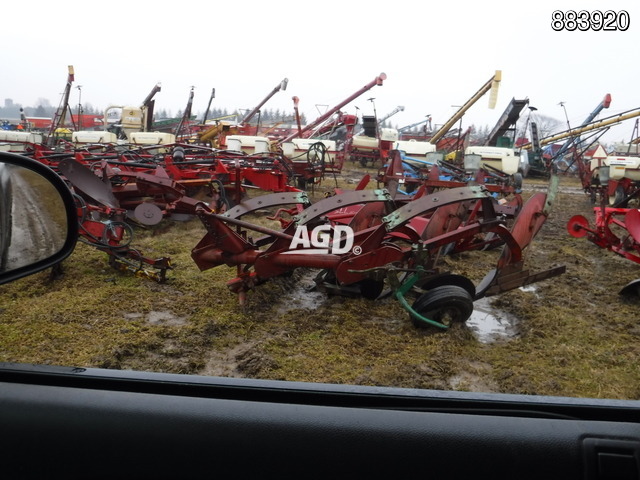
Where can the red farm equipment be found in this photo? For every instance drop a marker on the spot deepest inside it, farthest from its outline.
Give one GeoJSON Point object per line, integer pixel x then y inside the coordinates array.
{"type": "Point", "coordinates": [616, 227]}
{"type": "Point", "coordinates": [102, 223]}
{"type": "Point", "coordinates": [310, 155]}
{"type": "Point", "coordinates": [116, 188]}
{"type": "Point", "coordinates": [364, 240]}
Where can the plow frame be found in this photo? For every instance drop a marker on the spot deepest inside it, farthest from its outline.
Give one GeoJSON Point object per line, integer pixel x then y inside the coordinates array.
{"type": "Point", "coordinates": [378, 250]}
{"type": "Point", "coordinates": [602, 235]}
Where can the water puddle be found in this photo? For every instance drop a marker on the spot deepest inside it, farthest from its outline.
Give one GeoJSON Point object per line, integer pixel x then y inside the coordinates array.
{"type": "Point", "coordinates": [531, 289]}
{"type": "Point", "coordinates": [158, 318]}
{"type": "Point", "coordinates": [489, 324]}
{"type": "Point", "coordinates": [303, 294]}
{"type": "Point", "coordinates": [486, 323]}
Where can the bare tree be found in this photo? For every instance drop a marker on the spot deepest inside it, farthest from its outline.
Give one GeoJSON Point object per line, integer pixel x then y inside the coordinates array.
{"type": "Point", "coordinates": [44, 102]}
{"type": "Point", "coordinates": [546, 125]}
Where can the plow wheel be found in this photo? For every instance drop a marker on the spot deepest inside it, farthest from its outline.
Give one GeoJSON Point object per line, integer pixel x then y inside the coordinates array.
{"type": "Point", "coordinates": [516, 181]}
{"type": "Point", "coordinates": [447, 304]}
{"type": "Point", "coordinates": [578, 226]}
{"type": "Point", "coordinates": [316, 154]}
{"type": "Point", "coordinates": [617, 200]}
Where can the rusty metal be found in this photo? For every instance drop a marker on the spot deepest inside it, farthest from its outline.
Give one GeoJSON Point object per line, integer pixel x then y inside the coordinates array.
{"type": "Point", "coordinates": [102, 223]}
{"type": "Point", "coordinates": [431, 202]}
{"type": "Point", "coordinates": [105, 229]}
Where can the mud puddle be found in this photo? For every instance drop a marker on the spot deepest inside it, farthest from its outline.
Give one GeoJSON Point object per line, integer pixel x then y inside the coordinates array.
{"type": "Point", "coordinates": [303, 293]}
{"type": "Point", "coordinates": [486, 322]}
{"type": "Point", "coordinates": [162, 317]}
{"type": "Point", "coordinates": [489, 324]}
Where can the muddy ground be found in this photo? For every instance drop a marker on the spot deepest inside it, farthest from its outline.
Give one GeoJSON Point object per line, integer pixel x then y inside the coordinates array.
{"type": "Point", "coordinates": [572, 335]}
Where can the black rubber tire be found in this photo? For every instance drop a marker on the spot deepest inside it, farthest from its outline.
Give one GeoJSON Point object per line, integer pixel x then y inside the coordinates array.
{"type": "Point", "coordinates": [371, 289]}
{"type": "Point", "coordinates": [446, 304]}
{"type": "Point", "coordinates": [618, 199]}
{"type": "Point", "coordinates": [517, 181]}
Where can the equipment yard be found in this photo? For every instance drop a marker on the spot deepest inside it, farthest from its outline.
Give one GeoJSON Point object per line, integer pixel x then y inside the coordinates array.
{"type": "Point", "coordinates": [344, 251]}
{"type": "Point", "coordinates": [570, 335]}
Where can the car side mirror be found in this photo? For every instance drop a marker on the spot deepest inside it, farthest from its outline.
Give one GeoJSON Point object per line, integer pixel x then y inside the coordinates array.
{"type": "Point", "coordinates": [38, 217]}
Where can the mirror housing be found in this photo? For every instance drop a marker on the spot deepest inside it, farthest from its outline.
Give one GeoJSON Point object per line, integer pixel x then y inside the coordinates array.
{"type": "Point", "coordinates": [58, 206]}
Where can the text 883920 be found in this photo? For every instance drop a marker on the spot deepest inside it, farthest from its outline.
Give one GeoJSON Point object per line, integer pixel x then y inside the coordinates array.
{"type": "Point", "coordinates": [585, 20]}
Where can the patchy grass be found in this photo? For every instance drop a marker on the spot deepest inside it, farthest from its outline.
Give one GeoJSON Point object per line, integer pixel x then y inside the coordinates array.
{"type": "Point", "coordinates": [576, 336]}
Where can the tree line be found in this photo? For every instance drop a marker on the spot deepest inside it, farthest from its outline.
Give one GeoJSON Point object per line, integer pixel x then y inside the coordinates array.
{"type": "Point", "coordinates": [12, 111]}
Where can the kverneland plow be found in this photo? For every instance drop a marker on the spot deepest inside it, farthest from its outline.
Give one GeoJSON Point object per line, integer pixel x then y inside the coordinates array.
{"type": "Point", "coordinates": [362, 240]}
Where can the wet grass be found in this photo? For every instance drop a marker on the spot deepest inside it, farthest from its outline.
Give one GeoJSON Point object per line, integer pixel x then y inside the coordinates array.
{"type": "Point", "coordinates": [577, 337]}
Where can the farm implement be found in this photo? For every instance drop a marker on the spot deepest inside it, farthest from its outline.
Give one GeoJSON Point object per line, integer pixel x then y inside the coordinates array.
{"type": "Point", "coordinates": [113, 189]}
{"type": "Point", "coordinates": [614, 180]}
{"type": "Point", "coordinates": [616, 229]}
{"type": "Point", "coordinates": [365, 240]}
{"type": "Point", "coordinates": [102, 223]}
{"type": "Point", "coordinates": [405, 173]}
{"type": "Point", "coordinates": [147, 181]}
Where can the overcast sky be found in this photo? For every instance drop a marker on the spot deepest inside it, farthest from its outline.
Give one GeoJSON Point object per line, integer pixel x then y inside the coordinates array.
{"type": "Point", "coordinates": [436, 55]}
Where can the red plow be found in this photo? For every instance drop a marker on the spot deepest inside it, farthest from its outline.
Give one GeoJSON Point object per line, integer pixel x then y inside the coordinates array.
{"type": "Point", "coordinates": [615, 229]}
{"type": "Point", "coordinates": [367, 241]}
{"type": "Point", "coordinates": [115, 187]}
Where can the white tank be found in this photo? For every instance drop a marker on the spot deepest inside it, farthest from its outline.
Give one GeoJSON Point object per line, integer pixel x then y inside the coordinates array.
{"type": "Point", "coordinates": [234, 144]}
{"type": "Point", "coordinates": [503, 159]}
{"type": "Point", "coordinates": [18, 141]}
{"type": "Point", "coordinates": [151, 138]}
{"type": "Point", "coordinates": [302, 147]}
{"type": "Point", "coordinates": [288, 149]}
{"type": "Point", "coordinates": [363, 142]}
{"type": "Point", "coordinates": [389, 134]}
{"type": "Point", "coordinates": [261, 145]}
{"type": "Point", "coordinates": [620, 167]}
{"type": "Point", "coordinates": [414, 148]}
{"type": "Point", "coordinates": [247, 143]}
{"type": "Point", "coordinates": [93, 136]}
{"type": "Point", "coordinates": [15, 136]}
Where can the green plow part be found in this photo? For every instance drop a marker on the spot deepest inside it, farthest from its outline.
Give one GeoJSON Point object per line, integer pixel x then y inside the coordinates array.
{"type": "Point", "coordinates": [400, 289]}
